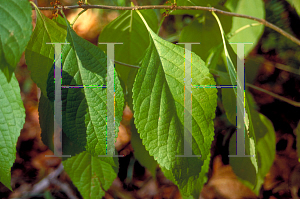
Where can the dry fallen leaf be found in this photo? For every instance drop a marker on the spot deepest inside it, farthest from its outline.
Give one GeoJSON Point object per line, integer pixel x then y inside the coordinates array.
{"type": "Point", "coordinates": [285, 160]}
{"type": "Point", "coordinates": [225, 184]}
{"type": "Point", "coordinates": [294, 182]}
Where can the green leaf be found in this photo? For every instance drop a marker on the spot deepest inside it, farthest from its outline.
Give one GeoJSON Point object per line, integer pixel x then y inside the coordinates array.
{"type": "Point", "coordinates": [61, 21]}
{"type": "Point", "coordinates": [252, 135]}
{"type": "Point", "coordinates": [296, 4]}
{"type": "Point", "coordinates": [253, 8]}
{"type": "Point", "coordinates": [206, 32]}
{"type": "Point", "coordinates": [214, 56]}
{"type": "Point", "coordinates": [140, 153]}
{"type": "Point", "coordinates": [242, 166]}
{"type": "Point", "coordinates": [91, 175]}
{"type": "Point", "coordinates": [259, 130]}
{"type": "Point", "coordinates": [232, 4]}
{"type": "Point", "coordinates": [228, 97]}
{"type": "Point", "coordinates": [192, 187]}
{"type": "Point", "coordinates": [12, 119]}
{"type": "Point", "coordinates": [230, 105]}
{"type": "Point", "coordinates": [231, 64]}
{"type": "Point", "coordinates": [158, 102]}
{"type": "Point", "coordinates": [228, 94]}
{"type": "Point", "coordinates": [15, 31]}
{"type": "Point", "coordinates": [234, 80]}
{"type": "Point", "coordinates": [255, 128]}
{"type": "Point", "coordinates": [46, 119]}
{"type": "Point", "coordinates": [85, 109]}
{"type": "Point", "coordinates": [265, 147]}
{"type": "Point", "coordinates": [128, 29]}
{"type": "Point", "coordinates": [39, 55]}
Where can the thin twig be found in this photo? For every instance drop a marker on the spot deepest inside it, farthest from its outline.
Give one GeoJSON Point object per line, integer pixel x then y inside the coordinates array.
{"type": "Point", "coordinates": [36, 3]}
{"type": "Point", "coordinates": [45, 183]}
{"type": "Point", "coordinates": [242, 28]}
{"type": "Point", "coordinates": [160, 24]}
{"type": "Point", "coordinates": [77, 16]}
{"type": "Point", "coordinates": [174, 7]}
{"type": "Point", "coordinates": [287, 68]}
{"type": "Point", "coordinates": [42, 185]}
{"type": "Point", "coordinates": [297, 104]}
{"type": "Point", "coordinates": [65, 187]}
{"type": "Point", "coordinates": [275, 64]}
{"type": "Point", "coordinates": [124, 64]}
{"type": "Point", "coordinates": [262, 21]}
{"type": "Point", "coordinates": [191, 2]}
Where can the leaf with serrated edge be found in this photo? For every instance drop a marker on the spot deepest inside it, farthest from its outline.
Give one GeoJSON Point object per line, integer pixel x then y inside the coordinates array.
{"type": "Point", "coordinates": [39, 55]}
{"type": "Point", "coordinates": [84, 109]}
{"type": "Point", "coordinates": [158, 102]}
{"type": "Point", "coordinates": [91, 175]}
{"type": "Point", "coordinates": [15, 31]}
{"type": "Point", "coordinates": [12, 119]}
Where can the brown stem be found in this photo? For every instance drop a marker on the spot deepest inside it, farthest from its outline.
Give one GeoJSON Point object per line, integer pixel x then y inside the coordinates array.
{"type": "Point", "coordinates": [297, 104]}
{"type": "Point", "coordinates": [210, 9]}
